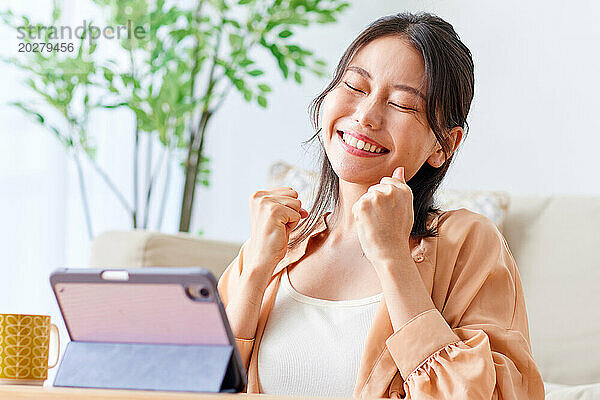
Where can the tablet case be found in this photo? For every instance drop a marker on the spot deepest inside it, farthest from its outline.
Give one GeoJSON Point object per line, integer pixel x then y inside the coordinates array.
{"type": "Point", "coordinates": [115, 344]}
{"type": "Point", "coordinates": [193, 368]}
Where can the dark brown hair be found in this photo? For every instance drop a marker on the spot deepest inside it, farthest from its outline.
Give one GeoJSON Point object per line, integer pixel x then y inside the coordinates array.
{"type": "Point", "coordinates": [450, 84]}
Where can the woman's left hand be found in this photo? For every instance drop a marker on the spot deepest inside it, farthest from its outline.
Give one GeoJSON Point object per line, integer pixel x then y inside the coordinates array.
{"type": "Point", "coordinates": [384, 218]}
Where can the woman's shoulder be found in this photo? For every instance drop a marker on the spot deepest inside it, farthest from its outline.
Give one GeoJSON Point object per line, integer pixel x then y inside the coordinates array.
{"type": "Point", "coordinates": [454, 224]}
{"type": "Point", "coordinates": [463, 231]}
{"type": "Point", "coordinates": [471, 241]}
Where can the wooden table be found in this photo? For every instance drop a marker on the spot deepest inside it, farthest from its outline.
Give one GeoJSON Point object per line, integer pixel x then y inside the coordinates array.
{"type": "Point", "coordinates": [16, 392]}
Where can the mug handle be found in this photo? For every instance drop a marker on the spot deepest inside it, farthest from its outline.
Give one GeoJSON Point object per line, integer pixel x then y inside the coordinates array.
{"type": "Point", "coordinates": [54, 329]}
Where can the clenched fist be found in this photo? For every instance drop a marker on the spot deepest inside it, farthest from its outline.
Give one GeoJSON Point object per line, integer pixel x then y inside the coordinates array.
{"type": "Point", "coordinates": [273, 215]}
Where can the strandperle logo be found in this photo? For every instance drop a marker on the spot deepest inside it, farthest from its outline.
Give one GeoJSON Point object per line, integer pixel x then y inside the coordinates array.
{"type": "Point", "coordinates": [87, 31]}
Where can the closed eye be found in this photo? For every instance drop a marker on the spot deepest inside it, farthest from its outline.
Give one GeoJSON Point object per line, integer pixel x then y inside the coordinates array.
{"type": "Point", "coordinates": [393, 104]}
{"type": "Point", "coordinates": [353, 88]}
{"type": "Point", "coordinates": [402, 107]}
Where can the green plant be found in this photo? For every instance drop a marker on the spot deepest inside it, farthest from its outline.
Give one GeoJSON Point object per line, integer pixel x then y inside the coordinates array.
{"type": "Point", "coordinates": [178, 76]}
{"type": "Point", "coordinates": [65, 86]}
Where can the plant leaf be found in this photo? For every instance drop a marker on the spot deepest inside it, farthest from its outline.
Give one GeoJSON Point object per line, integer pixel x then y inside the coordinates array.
{"type": "Point", "coordinates": [264, 87]}
{"type": "Point", "coordinates": [285, 33]}
{"type": "Point", "coordinates": [235, 40]}
{"type": "Point", "coordinates": [262, 101]}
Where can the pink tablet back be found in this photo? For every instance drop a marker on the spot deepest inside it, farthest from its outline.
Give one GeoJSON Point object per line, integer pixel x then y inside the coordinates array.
{"type": "Point", "coordinates": [139, 313]}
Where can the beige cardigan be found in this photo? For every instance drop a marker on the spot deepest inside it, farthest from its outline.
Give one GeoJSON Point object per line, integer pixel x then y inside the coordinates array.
{"type": "Point", "coordinates": [474, 345]}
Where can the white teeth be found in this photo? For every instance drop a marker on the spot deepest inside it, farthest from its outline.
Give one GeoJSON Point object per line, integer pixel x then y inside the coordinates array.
{"type": "Point", "coordinates": [359, 144]}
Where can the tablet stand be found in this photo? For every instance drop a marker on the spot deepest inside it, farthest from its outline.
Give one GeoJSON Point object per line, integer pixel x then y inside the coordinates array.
{"type": "Point", "coordinates": [170, 367]}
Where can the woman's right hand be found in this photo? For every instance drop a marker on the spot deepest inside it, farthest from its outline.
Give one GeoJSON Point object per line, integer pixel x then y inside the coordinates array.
{"type": "Point", "coordinates": [273, 215]}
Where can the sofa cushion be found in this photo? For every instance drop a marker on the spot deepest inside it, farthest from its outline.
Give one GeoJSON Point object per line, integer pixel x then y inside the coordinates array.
{"type": "Point", "coordinates": [555, 243]}
{"type": "Point", "coordinates": [576, 392]}
{"type": "Point", "coordinates": [152, 249]}
{"type": "Point", "coordinates": [492, 204]}
{"type": "Point", "coordinates": [301, 180]}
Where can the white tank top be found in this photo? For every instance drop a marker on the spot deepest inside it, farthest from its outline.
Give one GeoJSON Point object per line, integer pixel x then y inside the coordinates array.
{"type": "Point", "coordinates": [313, 347]}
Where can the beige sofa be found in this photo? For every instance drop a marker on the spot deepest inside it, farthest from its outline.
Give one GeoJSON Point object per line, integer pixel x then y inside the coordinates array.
{"type": "Point", "coordinates": [554, 240]}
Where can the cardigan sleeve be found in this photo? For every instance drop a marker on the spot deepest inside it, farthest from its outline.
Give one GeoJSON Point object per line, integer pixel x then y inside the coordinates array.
{"type": "Point", "coordinates": [475, 344]}
{"type": "Point", "coordinates": [227, 287]}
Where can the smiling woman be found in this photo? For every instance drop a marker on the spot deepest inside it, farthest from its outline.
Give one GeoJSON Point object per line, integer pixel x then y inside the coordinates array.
{"type": "Point", "coordinates": [433, 84]}
{"type": "Point", "coordinates": [384, 295]}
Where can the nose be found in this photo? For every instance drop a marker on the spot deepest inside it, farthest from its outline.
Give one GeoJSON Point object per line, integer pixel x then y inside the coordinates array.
{"type": "Point", "coordinates": [368, 113]}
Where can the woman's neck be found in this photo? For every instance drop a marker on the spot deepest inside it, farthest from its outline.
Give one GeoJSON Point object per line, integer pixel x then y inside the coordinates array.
{"type": "Point", "coordinates": [340, 222]}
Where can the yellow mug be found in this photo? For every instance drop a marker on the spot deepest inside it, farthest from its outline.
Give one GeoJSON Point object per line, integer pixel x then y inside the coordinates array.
{"type": "Point", "coordinates": [24, 348]}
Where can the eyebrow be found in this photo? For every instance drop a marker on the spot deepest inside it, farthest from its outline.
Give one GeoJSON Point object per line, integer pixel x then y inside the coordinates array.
{"type": "Point", "coordinates": [398, 86]}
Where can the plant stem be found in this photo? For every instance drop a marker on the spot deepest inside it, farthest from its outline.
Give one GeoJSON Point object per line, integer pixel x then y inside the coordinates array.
{"type": "Point", "coordinates": [110, 184]}
{"type": "Point", "coordinates": [165, 191]}
{"type": "Point", "coordinates": [195, 147]}
{"type": "Point", "coordinates": [148, 180]}
{"type": "Point", "coordinates": [86, 209]}
{"type": "Point", "coordinates": [194, 159]}
{"type": "Point", "coordinates": [196, 65]}
{"type": "Point", "coordinates": [136, 150]}
{"type": "Point", "coordinates": [150, 187]}
{"type": "Point", "coordinates": [222, 97]}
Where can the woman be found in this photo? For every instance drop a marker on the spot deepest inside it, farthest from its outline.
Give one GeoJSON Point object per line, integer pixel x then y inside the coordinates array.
{"type": "Point", "coordinates": [384, 296]}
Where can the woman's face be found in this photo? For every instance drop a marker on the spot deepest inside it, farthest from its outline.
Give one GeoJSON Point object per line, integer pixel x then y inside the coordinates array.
{"type": "Point", "coordinates": [378, 102]}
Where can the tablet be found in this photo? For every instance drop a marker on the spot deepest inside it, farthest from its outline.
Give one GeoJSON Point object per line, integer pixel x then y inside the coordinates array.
{"type": "Point", "coordinates": [147, 306]}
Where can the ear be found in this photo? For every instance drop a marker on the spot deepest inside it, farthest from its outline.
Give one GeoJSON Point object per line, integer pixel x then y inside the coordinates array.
{"type": "Point", "coordinates": [437, 158]}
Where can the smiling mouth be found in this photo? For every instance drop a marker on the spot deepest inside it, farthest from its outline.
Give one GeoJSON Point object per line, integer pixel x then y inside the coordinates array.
{"type": "Point", "coordinates": [362, 144]}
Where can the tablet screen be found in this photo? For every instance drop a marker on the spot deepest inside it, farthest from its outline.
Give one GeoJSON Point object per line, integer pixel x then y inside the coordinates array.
{"type": "Point", "coordinates": [138, 313]}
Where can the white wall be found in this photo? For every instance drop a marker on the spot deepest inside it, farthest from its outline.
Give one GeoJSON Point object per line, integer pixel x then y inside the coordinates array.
{"type": "Point", "coordinates": [532, 123]}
